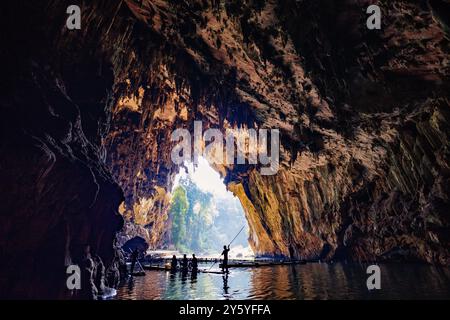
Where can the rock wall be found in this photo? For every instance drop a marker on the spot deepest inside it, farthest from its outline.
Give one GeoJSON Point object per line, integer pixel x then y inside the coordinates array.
{"type": "Point", "coordinates": [87, 114]}
{"type": "Point", "coordinates": [359, 171]}
{"type": "Point", "coordinates": [58, 197]}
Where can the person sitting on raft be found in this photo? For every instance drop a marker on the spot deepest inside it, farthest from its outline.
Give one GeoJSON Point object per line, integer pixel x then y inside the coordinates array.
{"type": "Point", "coordinates": [174, 263]}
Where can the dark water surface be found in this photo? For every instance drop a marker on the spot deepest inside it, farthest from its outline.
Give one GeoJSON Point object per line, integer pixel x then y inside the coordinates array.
{"type": "Point", "coordinates": [310, 281]}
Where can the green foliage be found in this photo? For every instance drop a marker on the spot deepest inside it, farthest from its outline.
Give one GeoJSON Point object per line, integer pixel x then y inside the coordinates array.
{"type": "Point", "coordinates": [178, 209]}
{"type": "Point", "coordinates": [201, 223]}
{"type": "Point", "coordinates": [191, 213]}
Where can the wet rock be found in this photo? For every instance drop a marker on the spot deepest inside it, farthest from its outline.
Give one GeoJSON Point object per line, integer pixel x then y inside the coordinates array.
{"type": "Point", "coordinates": [136, 243]}
{"type": "Point", "coordinates": [87, 118]}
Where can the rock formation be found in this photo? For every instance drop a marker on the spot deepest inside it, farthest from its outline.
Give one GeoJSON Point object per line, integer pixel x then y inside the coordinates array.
{"type": "Point", "coordinates": [87, 117]}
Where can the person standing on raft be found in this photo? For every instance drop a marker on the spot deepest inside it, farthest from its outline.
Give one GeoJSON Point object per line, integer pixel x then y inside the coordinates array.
{"type": "Point", "coordinates": [134, 257]}
{"type": "Point", "coordinates": [225, 258]}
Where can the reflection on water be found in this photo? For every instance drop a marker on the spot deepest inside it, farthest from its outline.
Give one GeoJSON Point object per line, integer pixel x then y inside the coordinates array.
{"type": "Point", "coordinates": [310, 281]}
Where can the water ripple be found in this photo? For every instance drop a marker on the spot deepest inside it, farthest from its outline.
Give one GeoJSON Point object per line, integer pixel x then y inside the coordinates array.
{"type": "Point", "coordinates": [311, 281]}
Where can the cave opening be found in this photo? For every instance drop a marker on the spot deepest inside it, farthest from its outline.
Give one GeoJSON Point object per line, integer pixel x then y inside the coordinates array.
{"type": "Point", "coordinates": [364, 148]}
{"type": "Point", "coordinates": [204, 216]}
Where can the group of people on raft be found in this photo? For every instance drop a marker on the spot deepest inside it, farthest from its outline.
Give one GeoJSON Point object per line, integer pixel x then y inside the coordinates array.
{"type": "Point", "coordinates": [184, 265]}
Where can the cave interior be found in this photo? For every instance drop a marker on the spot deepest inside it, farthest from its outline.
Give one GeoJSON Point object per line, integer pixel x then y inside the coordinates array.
{"type": "Point", "coordinates": [87, 118]}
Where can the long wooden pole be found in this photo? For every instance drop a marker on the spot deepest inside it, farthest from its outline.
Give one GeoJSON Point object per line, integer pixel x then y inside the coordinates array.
{"type": "Point", "coordinates": [228, 246]}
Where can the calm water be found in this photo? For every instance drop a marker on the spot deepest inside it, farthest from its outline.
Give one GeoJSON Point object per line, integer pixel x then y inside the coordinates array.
{"type": "Point", "coordinates": [310, 281]}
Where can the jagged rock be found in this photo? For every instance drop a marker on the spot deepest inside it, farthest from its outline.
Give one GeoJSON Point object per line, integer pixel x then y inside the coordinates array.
{"type": "Point", "coordinates": [136, 243]}
{"type": "Point", "coordinates": [87, 117]}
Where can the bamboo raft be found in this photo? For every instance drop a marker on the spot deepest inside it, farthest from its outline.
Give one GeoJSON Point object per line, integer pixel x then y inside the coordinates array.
{"type": "Point", "coordinates": [157, 268]}
{"type": "Point", "coordinates": [240, 264]}
{"type": "Point", "coordinates": [168, 269]}
{"type": "Point", "coordinates": [260, 264]}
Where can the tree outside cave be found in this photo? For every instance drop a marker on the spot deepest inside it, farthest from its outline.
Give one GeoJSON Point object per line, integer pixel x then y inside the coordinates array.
{"type": "Point", "coordinates": [204, 216]}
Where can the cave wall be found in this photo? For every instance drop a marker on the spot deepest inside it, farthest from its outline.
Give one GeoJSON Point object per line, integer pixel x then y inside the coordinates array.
{"type": "Point", "coordinates": [87, 115]}
{"type": "Point", "coordinates": [362, 176]}
{"type": "Point", "coordinates": [58, 196]}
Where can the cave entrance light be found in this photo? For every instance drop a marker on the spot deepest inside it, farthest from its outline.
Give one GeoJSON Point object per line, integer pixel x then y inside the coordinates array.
{"type": "Point", "coordinates": [204, 215]}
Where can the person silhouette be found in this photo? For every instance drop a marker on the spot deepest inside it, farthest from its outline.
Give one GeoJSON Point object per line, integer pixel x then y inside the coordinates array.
{"type": "Point", "coordinates": [134, 257]}
{"type": "Point", "coordinates": [225, 258]}
{"type": "Point", "coordinates": [184, 263]}
{"type": "Point", "coordinates": [194, 264]}
{"type": "Point", "coordinates": [173, 263]}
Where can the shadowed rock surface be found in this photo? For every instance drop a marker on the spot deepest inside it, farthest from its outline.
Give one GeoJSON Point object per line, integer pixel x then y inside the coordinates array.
{"type": "Point", "coordinates": [87, 117]}
{"type": "Point", "coordinates": [136, 243]}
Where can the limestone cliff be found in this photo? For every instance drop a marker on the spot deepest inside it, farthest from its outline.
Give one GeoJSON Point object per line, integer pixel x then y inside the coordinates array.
{"type": "Point", "coordinates": [363, 115]}
{"type": "Point", "coordinates": [87, 114]}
